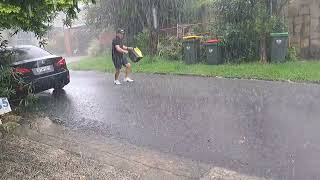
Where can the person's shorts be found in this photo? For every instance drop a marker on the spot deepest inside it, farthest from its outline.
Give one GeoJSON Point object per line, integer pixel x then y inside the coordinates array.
{"type": "Point", "coordinates": [119, 62]}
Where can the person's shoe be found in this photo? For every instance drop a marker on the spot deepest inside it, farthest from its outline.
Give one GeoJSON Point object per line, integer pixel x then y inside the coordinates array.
{"type": "Point", "coordinates": [128, 80]}
{"type": "Point", "coordinates": [117, 82]}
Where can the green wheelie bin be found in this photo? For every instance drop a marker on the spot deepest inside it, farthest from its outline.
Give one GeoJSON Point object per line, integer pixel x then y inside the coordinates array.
{"type": "Point", "coordinates": [213, 52]}
{"type": "Point", "coordinates": [278, 47]}
{"type": "Point", "coordinates": [191, 49]}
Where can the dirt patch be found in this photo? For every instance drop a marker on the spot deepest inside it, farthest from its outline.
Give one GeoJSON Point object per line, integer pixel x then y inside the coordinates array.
{"type": "Point", "coordinates": [22, 158]}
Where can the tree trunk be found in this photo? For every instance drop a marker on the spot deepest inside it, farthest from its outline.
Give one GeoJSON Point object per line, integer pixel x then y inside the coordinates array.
{"type": "Point", "coordinates": [204, 18]}
{"type": "Point", "coordinates": [263, 49]}
{"type": "Point", "coordinates": [153, 42]}
{"type": "Point", "coordinates": [154, 32]}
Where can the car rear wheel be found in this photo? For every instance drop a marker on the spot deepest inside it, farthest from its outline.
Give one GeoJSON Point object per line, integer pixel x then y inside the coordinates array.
{"type": "Point", "coordinates": [59, 86]}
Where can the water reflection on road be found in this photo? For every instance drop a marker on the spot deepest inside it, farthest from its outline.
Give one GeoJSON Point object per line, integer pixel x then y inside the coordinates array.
{"type": "Point", "coordinates": [267, 129]}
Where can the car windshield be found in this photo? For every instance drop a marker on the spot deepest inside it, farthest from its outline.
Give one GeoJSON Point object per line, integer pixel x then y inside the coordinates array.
{"type": "Point", "coordinates": [25, 53]}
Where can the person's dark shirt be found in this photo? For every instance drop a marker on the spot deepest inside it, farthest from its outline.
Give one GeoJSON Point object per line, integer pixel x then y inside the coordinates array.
{"type": "Point", "coordinates": [115, 54]}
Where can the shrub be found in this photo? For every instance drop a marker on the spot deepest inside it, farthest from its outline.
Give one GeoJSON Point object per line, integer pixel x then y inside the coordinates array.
{"type": "Point", "coordinates": [171, 48]}
{"type": "Point", "coordinates": [8, 128]}
{"type": "Point", "coordinates": [7, 81]}
{"type": "Point", "coordinates": [292, 54]}
{"type": "Point", "coordinates": [244, 27]}
{"type": "Point", "coordinates": [142, 41]}
{"type": "Point", "coordinates": [10, 80]}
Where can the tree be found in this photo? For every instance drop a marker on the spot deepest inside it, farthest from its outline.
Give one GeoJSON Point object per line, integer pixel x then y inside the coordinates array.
{"type": "Point", "coordinates": [35, 15]}
{"type": "Point", "coordinates": [245, 24]}
{"type": "Point", "coordinates": [136, 15]}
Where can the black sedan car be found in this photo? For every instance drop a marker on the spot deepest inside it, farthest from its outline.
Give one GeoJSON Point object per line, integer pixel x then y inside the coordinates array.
{"type": "Point", "coordinates": [38, 67]}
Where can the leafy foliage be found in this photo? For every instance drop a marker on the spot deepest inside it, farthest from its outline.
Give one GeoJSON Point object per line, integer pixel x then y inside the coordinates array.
{"type": "Point", "coordinates": [137, 15]}
{"type": "Point", "coordinates": [6, 75]}
{"type": "Point", "coordinates": [142, 41]}
{"type": "Point", "coordinates": [171, 48]}
{"type": "Point", "coordinates": [134, 15]}
{"type": "Point", "coordinates": [292, 54]}
{"type": "Point", "coordinates": [10, 80]}
{"type": "Point", "coordinates": [8, 128]}
{"type": "Point", "coordinates": [244, 24]}
{"type": "Point", "coordinates": [7, 81]}
{"type": "Point", "coordinates": [35, 16]}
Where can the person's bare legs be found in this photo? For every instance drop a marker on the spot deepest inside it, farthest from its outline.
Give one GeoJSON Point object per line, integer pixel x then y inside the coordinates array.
{"type": "Point", "coordinates": [128, 70]}
{"type": "Point", "coordinates": [117, 74]}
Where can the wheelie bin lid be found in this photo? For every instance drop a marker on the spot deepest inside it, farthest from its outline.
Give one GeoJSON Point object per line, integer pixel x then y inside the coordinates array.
{"type": "Point", "coordinates": [135, 55]}
{"type": "Point", "coordinates": [284, 34]}
{"type": "Point", "coordinates": [138, 52]}
{"type": "Point", "coordinates": [191, 37]}
{"type": "Point", "coordinates": [213, 41]}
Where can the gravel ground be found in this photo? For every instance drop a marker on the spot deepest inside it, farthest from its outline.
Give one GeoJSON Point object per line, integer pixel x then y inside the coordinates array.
{"type": "Point", "coordinates": [22, 158]}
{"type": "Point", "coordinates": [43, 149]}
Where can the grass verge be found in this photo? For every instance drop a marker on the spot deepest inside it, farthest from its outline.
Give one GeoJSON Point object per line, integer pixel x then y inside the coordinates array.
{"type": "Point", "coordinates": [293, 71]}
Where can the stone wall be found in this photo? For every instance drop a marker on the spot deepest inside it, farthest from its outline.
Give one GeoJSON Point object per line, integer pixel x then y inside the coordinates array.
{"type": "Point", "coordinates": [304, 27]}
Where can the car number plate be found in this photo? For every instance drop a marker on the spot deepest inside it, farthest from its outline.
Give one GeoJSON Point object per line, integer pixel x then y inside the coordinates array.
{"type": "Point", "coordinates": [43, 70]}
{"type": "Point", "coordinates": [4, 106]}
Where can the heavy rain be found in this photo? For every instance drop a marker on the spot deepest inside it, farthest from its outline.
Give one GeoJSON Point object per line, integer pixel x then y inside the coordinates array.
{"type": "Point", "coordinates": [160, 89]}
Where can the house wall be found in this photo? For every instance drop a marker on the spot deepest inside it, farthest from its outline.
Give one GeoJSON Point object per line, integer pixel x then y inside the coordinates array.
{"type": "Point", "coordinates": [304, 27]}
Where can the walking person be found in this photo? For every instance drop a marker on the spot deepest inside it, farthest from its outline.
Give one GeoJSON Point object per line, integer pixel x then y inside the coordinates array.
{"type": "Point", "coordinates": [118, 58]}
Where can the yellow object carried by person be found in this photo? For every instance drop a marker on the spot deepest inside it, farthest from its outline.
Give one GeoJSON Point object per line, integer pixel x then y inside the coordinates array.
{"type": "Point", "coordinates": [135, 54]}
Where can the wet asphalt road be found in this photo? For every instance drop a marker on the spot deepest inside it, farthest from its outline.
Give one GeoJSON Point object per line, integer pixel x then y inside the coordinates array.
{"type": "Point", "coordinates": [265, 129]}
